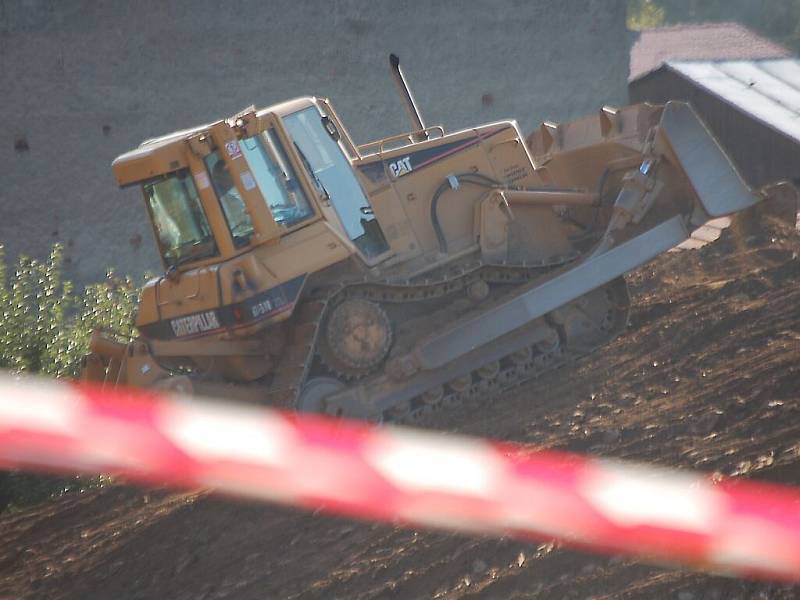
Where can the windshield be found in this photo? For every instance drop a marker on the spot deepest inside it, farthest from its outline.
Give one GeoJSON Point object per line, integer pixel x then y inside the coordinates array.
{"type": "Point", "coordinates": [180, 223]}
{"type": "Point", "coordinates": [233, 206]}
{"type": "Point", "coordinates": [331, 169]}
{"type": "Point", "coordinates": [276, 178]}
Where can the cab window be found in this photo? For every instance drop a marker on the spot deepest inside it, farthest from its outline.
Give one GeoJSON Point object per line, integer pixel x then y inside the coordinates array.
{"type": "Point", "coordinates": [276, 178]}
{"type": "Point", "coordinates": [181, 226]}
{"type": "Point", "coordinates": [233, 207]}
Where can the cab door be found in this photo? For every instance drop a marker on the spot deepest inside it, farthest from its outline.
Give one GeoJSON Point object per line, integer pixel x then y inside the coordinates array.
{"type": "Point", "coordinates": [332, 173]}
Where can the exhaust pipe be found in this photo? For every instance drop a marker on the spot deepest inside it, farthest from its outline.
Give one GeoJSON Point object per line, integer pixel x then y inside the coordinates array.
{"type": "Point", "coordinates": [408, 99]}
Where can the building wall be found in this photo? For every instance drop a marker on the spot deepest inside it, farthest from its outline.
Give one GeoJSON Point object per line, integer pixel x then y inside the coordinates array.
{"type": "Point", "coordinates": [82, 81]}
{"type": "Point", "coordinates": [761, 154]}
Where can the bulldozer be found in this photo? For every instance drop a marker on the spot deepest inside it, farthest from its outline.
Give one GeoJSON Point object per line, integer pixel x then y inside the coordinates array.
{"type": "Point", "coordinates": [387, 280]}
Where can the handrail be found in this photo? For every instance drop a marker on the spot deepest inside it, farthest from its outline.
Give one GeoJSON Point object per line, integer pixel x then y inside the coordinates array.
{"type": "Point", "coordinates": [409, 136]}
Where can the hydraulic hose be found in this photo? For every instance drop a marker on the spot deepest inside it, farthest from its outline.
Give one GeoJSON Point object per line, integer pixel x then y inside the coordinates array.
{"type": "Point", "coordinates": [485, 181]}
{"type": "Point", "coordinates": [471, 178]}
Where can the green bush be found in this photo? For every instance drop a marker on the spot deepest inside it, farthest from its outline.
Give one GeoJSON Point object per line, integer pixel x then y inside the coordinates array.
{"type": "Point", "coordinates": [44, 328]}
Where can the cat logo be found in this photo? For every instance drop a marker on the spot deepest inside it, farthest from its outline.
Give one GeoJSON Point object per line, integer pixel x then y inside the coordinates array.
{"type": "Point", "coordinates": [193, 324]}
{"type": "Point", "coordinates": [400, 167]}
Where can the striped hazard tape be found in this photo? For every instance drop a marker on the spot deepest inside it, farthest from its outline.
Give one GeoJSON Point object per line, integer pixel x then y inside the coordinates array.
{"type": "Point", "coordinates": [403, 476]}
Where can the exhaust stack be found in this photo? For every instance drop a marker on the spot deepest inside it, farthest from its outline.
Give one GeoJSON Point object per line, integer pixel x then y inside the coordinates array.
{"type": "Point", "coordinates": [408, 99]}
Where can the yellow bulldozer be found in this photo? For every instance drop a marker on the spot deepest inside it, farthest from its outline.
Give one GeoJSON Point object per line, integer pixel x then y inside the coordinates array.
{"type": "Point", "coordinates": [386, 280]}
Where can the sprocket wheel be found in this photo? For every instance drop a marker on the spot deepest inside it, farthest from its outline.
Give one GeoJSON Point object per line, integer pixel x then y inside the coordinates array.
{"type": "Point", "coordinates": [356, 338]}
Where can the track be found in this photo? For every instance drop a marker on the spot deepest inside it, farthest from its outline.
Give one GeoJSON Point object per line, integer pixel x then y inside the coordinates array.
{"type": "Point", "coordinates": [309, 364]}
{"type": "Point", "coordinates": [546, 344]}
{"type": "Point", "coordinates": [706, 376]}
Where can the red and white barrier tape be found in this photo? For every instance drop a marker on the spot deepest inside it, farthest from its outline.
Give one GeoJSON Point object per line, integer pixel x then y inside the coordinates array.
{"type": "Point", "coordinates": [395, 475]}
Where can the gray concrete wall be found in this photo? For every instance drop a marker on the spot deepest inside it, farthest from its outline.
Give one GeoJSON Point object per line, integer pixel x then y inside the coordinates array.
{"type": "Point", "coordinates": [82, 81]}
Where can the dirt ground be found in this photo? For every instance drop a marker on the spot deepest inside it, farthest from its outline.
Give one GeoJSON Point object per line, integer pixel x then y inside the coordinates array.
{"type": "Point", "coordinates": [705, 377]}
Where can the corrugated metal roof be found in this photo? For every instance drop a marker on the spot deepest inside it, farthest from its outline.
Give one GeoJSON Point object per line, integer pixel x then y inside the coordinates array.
{"type": "Point", "coordinates": [704, 41]}
{"type": "Point", "coordinates": [768, 90]}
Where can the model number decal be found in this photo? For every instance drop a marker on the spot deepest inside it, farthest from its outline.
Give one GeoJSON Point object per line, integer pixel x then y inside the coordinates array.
{"type": "Point", "coordinates": [266, 306]}
{"type": "Point", "coordinates": [400, 167]}
{"type": "Point", "coordinates": [195, 324]}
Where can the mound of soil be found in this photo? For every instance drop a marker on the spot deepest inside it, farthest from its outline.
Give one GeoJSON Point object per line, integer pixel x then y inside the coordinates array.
{"type": "Point", "coordinates": [706, 377]}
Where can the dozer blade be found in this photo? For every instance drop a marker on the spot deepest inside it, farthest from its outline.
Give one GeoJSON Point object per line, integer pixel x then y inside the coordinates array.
{"type": "Point", "coordinates": [714, 179]}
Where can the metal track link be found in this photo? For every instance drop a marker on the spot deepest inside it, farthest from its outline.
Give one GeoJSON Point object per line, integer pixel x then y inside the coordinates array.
{"type": "Point", "coordinates": [483, 390]}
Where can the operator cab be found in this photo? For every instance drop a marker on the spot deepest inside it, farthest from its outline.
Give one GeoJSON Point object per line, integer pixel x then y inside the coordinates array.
{"type": "Point", "coordinates": [215, 191]}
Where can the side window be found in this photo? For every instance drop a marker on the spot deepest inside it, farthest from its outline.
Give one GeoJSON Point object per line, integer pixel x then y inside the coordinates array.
{"type": "Point", "coordinates": [276, 178]}
{"type": "Point", "coordinates": [232, 204]}
{"type": "Point", "coordinates": [182, 228]}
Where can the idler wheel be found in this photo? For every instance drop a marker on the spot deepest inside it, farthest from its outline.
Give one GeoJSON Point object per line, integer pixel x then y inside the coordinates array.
{"type": "Point", "coordinates": [399, 411]}
{"type": "Point", "coordinates": [433, 395]}
{"type": "Point", "coordinates": [461, 384]}
{"type": "Point", "coordinates": [550, 344]}
{"type": "Point", "coordinates": [489, 370]}
{"type": "Point", "coordinates": [478, 291]}
{"type": "Point", "coordinates": [521, 356]}
{"type": "Point", "coordinates": [312, 397]}
{"type": "Point", "coordinates": [356, 338]}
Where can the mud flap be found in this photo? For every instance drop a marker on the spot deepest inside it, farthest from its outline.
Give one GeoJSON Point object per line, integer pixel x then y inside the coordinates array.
{"type": "Point", "coordinates": [715, 181]}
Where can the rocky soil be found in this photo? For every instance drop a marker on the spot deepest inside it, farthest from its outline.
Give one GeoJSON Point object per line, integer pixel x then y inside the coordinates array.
{"type": "Point", "coordinates": [706, 377]}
